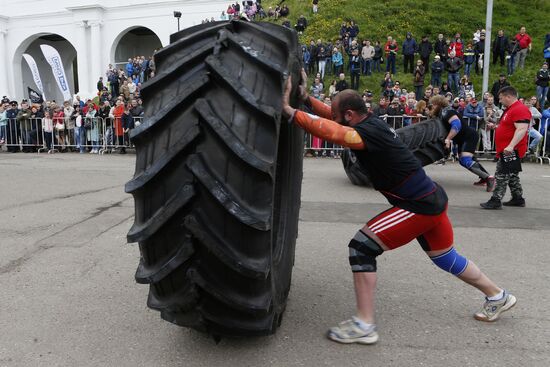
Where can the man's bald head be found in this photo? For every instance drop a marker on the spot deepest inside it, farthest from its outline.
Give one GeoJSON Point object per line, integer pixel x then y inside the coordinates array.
{"type": "Point", "coordinates": [349, 99]}
{"type": "Point", "coordinates": [347, 106]}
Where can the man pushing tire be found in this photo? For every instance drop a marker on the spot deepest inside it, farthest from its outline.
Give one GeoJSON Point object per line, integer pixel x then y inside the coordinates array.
{"type": "Point", "coordinates": [419, 208]}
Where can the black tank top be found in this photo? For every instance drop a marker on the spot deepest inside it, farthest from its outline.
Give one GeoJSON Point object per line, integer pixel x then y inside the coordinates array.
{"type": "Point", "coordinates": [395, 171]}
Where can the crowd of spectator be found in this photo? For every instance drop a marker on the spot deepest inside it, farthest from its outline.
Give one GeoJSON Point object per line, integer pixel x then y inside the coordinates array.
{"type": "Point", "coordinates": [80, 125]}
{"type": "Point", "coordinates": [441, 67]}
{"type": "Point", "coordinates": [452, 56]}
{"type": "Point", "coordinates": [250, 10]}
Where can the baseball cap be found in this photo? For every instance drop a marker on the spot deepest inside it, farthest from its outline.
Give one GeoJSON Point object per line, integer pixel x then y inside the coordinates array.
{"type": "Point", "coordinates": [473, 100]}
{"type": "Point", "coordinates": [437, 57]}
{"type": "Point", "coordinates": [402, 98]}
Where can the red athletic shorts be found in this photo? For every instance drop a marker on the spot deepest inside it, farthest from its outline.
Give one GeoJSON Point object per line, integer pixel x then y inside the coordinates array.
{"type": "Point", "coordinates": [397, 227]}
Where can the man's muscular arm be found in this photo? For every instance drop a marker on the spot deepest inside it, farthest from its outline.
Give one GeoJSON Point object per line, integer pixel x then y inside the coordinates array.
{"type": "Point", "coordinates": [319, 108]}
{"type": "Point", "coordinates": [329, 130]}
{"type": "Point", "coordinates": [455, 129]}
{"type": "Point", "coordinates": [321, 127]}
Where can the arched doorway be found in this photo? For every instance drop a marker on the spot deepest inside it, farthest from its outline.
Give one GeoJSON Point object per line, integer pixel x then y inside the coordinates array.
{"type": "Point", "coordinates": [68, 56]}
{"type": "Point", "coordinates": [135, 41]}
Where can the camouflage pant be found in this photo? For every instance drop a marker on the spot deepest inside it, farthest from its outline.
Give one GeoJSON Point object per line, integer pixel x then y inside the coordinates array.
{"type": "Point", "coordinates": [506, 179]}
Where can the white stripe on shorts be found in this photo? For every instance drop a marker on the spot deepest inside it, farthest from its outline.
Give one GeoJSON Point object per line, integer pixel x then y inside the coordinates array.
{"type": "Point", "coordinates": [389, 220]}
{"type": "Point", "coordinates": [394, 223]}
{"type": "Point", "coordinates": [388, 216]}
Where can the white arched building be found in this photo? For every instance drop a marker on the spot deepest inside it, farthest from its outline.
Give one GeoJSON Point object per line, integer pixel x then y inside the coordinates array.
{"type": "Point", "coordinates": [87, 36]}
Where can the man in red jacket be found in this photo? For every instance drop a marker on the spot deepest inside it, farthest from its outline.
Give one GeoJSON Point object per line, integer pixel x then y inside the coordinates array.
{"type": "Point", "coordinates": [524, 42]}
{"type": "Point", "coordinates": [458, 46]}
{"type": "Point", "coordinates": [511, 145]}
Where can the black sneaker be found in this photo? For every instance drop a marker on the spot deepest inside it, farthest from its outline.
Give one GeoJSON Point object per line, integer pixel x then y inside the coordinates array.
{"type": "Point", "coordinates": [515, 202]}
{"type": "Point", "coordinates": [492, 204]}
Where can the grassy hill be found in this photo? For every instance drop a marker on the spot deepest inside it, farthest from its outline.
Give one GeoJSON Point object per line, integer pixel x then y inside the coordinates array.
{"type": "Point", "coordinates": [378, 19]}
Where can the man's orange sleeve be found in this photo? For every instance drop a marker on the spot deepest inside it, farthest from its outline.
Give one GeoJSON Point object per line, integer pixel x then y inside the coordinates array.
{"type": "Point", "coordinates": [320, 109]}
{"type": "Point", "coordinates": [329, 130]}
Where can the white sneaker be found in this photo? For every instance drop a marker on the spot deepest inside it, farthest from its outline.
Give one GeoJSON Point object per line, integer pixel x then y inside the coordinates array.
{"type": "Point", "coordinates": [350, 331]}
{"type": "Point", "coordinates": [492, 309]}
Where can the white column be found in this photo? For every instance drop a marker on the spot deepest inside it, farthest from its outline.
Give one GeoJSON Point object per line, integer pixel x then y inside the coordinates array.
{"type": "Point", "coordinates": [4, 87]}
{"type": "Point", "coordinates": [96, 69]}
{"type": "Point", "coordinates": [82, 59]}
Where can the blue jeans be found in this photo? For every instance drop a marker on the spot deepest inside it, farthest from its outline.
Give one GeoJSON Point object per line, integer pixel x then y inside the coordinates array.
{"type": "Point", "coordinates": [542, 92]}
{"type": "Point", "coordinates": [49, 139]}
{"type": "Point", "coordinates": [467, 68]}
{"type": "Point", "coordinates": [367, 67]}
{"type": "Point", "coordinates": [436, 80]}
{"type": "Point", "coordinates": [452, 80]}
{"type": "Point", "coordinates": [376, 65]}
{"type": "Point", "coordinates": [80, 138]}
{"type": "Point", "coordinates": [390, 63]}
{"type": "Point", "coordinates": [510, 65]}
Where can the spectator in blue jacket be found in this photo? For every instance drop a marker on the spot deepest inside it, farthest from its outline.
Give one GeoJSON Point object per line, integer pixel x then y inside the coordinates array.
{"type": "Point", "coordinates": [473, 114]}
{"type": "Point", "coordinates": [337, 61]}
{"type": "Point", "coordinates": [129, 68]}
{"type": "Point", "coordinates": [306, 57]}
{"type": "Point", "coordinates": [409, 48]}
{"type": "Point", "coordinates": [542, 80]}
{"type": "Point", "coordinates": [469, 59]}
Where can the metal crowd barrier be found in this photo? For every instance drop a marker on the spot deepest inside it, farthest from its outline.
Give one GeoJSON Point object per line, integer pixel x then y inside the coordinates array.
{"type": "Point", "coordinates": [87, 134]}
{"type": "Point", "coordinates": [106, 135]}
{"type": "Point", "coordinates": [543, 127]}
{"type": "Point", "coordinates": [486, 144]}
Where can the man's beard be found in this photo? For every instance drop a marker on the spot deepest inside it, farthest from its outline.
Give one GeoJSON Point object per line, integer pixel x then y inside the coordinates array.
{"type": "Point", "coordinates": [343, 122]}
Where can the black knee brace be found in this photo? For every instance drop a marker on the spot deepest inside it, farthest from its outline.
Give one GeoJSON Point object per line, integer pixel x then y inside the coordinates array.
{"type": "Point", "coordinates": [362, 253]}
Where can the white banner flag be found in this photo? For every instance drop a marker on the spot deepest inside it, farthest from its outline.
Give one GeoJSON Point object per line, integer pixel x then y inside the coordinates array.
{"type": "Point", "coordinates": [53, 58]}
{"type": "Point", "coordinates": [34, 71]}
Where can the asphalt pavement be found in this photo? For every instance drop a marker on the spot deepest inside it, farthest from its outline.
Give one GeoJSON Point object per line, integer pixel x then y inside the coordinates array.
{"type": "Point", "coordinates": [68, 295]}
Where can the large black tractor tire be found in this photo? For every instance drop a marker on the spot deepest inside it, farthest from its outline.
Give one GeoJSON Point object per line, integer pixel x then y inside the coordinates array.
{"type": "Point", "coordinates": [356, 173]}
{"type": "Point", "coordinates": [425, 139]}
{"type": "Point", "coordinates": [218, 179]}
